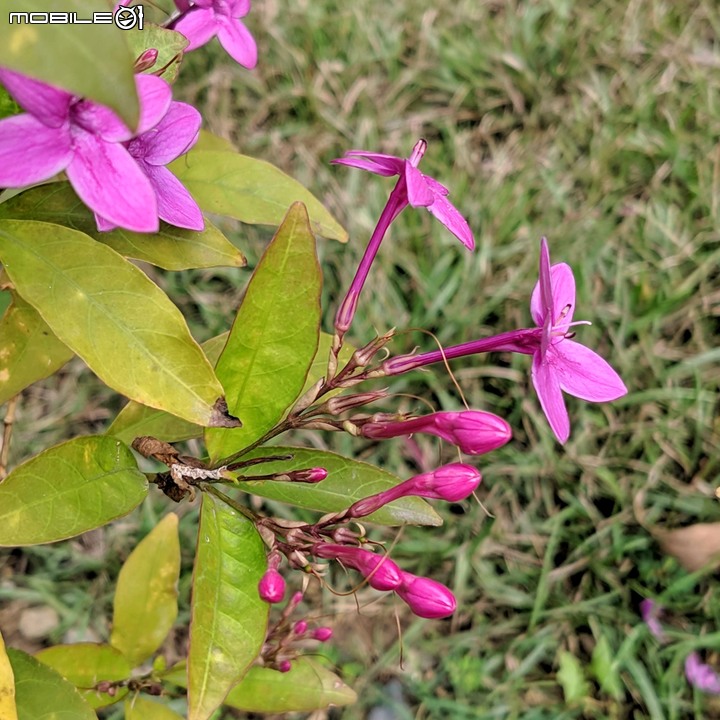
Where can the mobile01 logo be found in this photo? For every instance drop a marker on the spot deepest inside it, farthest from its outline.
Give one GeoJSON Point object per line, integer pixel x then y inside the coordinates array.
{"type": "Point", "coordinates": [124, 17]}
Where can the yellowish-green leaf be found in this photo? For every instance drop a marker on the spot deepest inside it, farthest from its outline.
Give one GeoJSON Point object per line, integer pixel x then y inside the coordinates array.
{"type": "Point", "coordinates": [135, 420]}
{"type": "Point", "coordinates": [168, 43]}
{"type": "Point", "coordinates": [210, 141]}
{"type": "Point", "coordinates": [145, 604]}
{"type": "Point", "coordinates": [43, 694]}
{"type": "Point", "coordinates": [229, 620]}
{"type": "Point", "coordinates": [29, 350]}
{"type": "Point", "coordinates": [69, 489]}
{"type": "Point", "coordinates": [347, 481]}
{"type": "Point", "coordinates": [8, 710]}
{"type": "Point", "coordinates": [274, 338]}
{"type": "Point", "coordinates": [87, 664]}
{"type": "Point", "coordinates": [306, 687]}
{"type": "Point", "coordinates": [109, 313]}
{"type": "Point", "coordinates": [92, 60]}
{"type": "Point", "coordinates": [171, 247]}
{"type": "Point", "coordinates": [571, 677]}
{"type": "Point", "coordinates": [140, 708]}
{"type": "Point", "coordinates": [252, 191]}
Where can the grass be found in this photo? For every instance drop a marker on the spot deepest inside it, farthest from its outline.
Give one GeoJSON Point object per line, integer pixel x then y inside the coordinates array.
{"type": "Point", "coordinates": [595, 124]}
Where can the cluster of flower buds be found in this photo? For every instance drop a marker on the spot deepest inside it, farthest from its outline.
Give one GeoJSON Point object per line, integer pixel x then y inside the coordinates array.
{"type": "Point", "coordinates": [286, 638]}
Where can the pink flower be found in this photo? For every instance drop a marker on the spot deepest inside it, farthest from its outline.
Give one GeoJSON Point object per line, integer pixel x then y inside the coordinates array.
{"type": "Point", "coordinates": [418, 190]}
{"type": "Point", "coordinates": [60, 132]}
{"type": "Point", "coordinates": [173, 136]}
{"type": "Point", "coordinates": [650, 612]}
{"type": "Point", "coordinates": [559, 364]}
{"type": "Point", "coordinates": [323, 634]}
{"type": "Point", "coordinates": [475, 432]}
{"type": "Point", "coordinates": [412, 188]}
{"type": "Point", "coordinates": [425, 597]}
{"type": "Point", "coordinates": [701, 675]}
{"type": "Point", "coordinates": [202, 20]}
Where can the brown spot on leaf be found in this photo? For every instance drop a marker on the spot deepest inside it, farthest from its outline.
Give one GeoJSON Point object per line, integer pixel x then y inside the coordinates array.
{"type": "Point", "coordinates": [221, 417]}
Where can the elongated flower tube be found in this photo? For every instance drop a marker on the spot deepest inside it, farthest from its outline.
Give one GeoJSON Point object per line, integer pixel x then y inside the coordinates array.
{"type": "Point", "coordinates": [559, 363]}
{"type": "Point", "coordinates": [380, 571]}
{"type": "Point", "coordinates": [425, 597]}
{"type": "Point", "coordinates": [61, 131]}
{"type": "Point", "coordinates": [452, 483]}
{"type": "Point", "coordinates": [474, 431]}
{"type": "Point", "coordinates": [412, 188]}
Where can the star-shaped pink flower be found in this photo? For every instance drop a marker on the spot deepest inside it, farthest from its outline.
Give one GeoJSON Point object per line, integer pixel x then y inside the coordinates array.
{"type": "Point", "coordinates": [202, 20]}
{"type": "Point", "coordinates": [559, 363]}
{"type": "Point", "coordinates": [61, 131]}
{"type": "Point", "coordinates": [420, 190]}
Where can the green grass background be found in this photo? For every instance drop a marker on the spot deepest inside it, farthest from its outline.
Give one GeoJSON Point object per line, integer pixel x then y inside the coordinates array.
{"type": "Point", "coordinates": [594, 123]}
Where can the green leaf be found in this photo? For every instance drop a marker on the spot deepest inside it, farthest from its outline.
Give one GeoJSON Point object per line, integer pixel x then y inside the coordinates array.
{"type": "Point", "coordinates": [43, 694]}
{"type": "Point", "coordinates": [30, 351]}
{"type": "Point", "coordinates": [318, 369]}
{"type": "Point", "coordinates": [139, 708]}
{"type": "Point", "coordinates": [87, 664]}
{"type": "Point", "coordinates": [307, 686]}
{"type": "Point", "coordinates": [168, 43]}
{"type": "Point", "coordinates": [109, 313]}
{"type": "Point", "coordinates": [92, 60]}
{"type": "Point", "coordinates": [605, 669]}
{"type": "Point", "coordinates": [210, 141]}
{"type": "Point", "coordinates": [347, 481]}
{"type": "Point", "coordinates": [8, 710]}
{"type": "Point", "coordinates": [145, 605]}
{"type": "Point", "coordinates": [171, 247]}
{"type": "Point", "coordinates": [69, 489]}
{"type": "Point", "coordinates": [572, 679]}
{"type": "Point", "coordinates": [135, 420]}
{"type": "Point", "coordinates": [229, 620]}
{"type": "Point", "coordinates": [274, 337]}
{"type": "Point", "coordinates": [8, 106]}
{"type": "Point", "coordinates": [249, 190]}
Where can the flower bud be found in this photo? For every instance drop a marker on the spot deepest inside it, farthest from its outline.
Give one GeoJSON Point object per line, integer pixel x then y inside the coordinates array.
{"type": "Point", "coordinates": [425, 597]}
{"type": "Point", "coordinates": [701, 675]}
{"type": "Point", "coordinates": [145, 60]}
{"type": "Point", "coordinates": [342, 403]}
{"type": "Point", "coordinates": [284, 666]}
{"type": "Point", "coordinates": [323, 634]}
{"type": "Point", "coordinates": [475, 432]}
{"type": "Point", "coordinates": [452, 483]}
{"type": "Point", "coordinates": [311, 475]}
{"type": "Point", "coordinates": [300, 627]}
{"type": "Point", "coordinates": [272, 586]}
{"type": "Point", "coordinates": [380, 572]}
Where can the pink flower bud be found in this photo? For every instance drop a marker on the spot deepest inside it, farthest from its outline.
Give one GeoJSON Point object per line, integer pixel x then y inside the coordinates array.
{"type": "Point", "coordinates": [300, 627]}
{"type": "Point", "coordinates": [145, 60]}
{"type": "Point", "coordinates": [272, 586]}
{"type": "Point", "coordinates": [296, 599]}
{"type": "Point", "coordinates": [452, 483]}
{"type": "Point", "coordinates": [701, 675]}
{"type": "Point", "coordinates": [475, 432]}
{"type": "Point", "coordinates": [284, 666]}
{"type": "Point", "coordinates": [323, 634]}
{"type": "Point", "coordinates": [425, 597]}
{"type": "Point", "coordinates": [311, 475]}
{"type": "Point", "coordinates": [381, 572]}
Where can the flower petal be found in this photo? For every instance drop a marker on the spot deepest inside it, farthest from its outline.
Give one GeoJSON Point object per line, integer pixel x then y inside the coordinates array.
{"type": "Point", "coordinates": [174, 135]}
{"type": "Point", "coordinates": [175, 204]}
{"type": "Point", "coordinates": [548, 390]}
{"type": "Point", "coordinates": [419, 194]}
{"type": "Point", "coordinates": [103, 225]}
{"type": "Point", "coordinates": [435, 186]}
{"type": "Point", "coordinates": [48, 104]}
{"type": "Point", "coordinates": [377, 163]}
{"type": "Point", "coordinates": [584, 374]}
{"type": "Point", "coordinates": [30, 151]}
{"type": "Point", "coordinates": [563, 295]}
{"type": "Point", "coordinates": [198, 26]}
{"type": "Point", "coordinates": [239, 43]}
{"type": "Point", "coordinates": [112, 184]}
{"type": "Point", "coordinates": [449, 216]}
{"type": "Point", "coordinates": [155, 97]}
{"type": "Point", "coordinates": [239, 8]}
